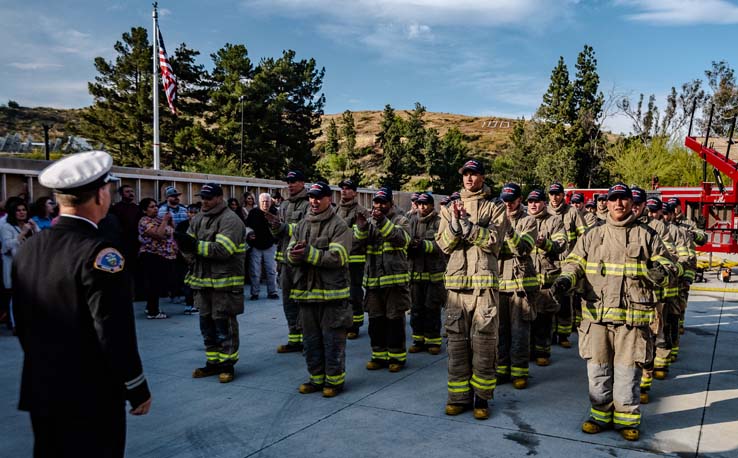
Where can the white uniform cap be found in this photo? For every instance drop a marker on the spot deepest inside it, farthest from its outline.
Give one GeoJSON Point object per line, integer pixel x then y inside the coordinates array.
{"type": "Point", "coordinates": [78, 172]}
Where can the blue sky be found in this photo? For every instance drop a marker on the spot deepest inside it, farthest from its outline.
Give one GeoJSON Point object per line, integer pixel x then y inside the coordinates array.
{"type": "Point", "coordinates": [475, 57]}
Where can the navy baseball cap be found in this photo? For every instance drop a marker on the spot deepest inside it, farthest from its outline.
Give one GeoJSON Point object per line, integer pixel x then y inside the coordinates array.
{"type": "Point", "coordinates": [577, 198]}
{"type": "Point", "coordinates": [510, 192]}
{"type": "Point", "coordinates": [348, 183]}
{"type": "Point", "coordinates": [669, 208]}
{"type": "Point", "coordinates": [639, 195]}
{"type": "Point", "coordinates": [675, 201]}
{"type": "Point", "coordinates": [654, 204]}
{"type": "Point", "coordinates": [619, 190]}
{"type": "Point", "coordinates": [590, 204]}
{"type": "Point", "coordinates": [454, 196]}
{"type": "Point", "coordinates": [425, 198]}
{"type": "Point", "coordinates": [445, 200]}
{"type": "Point", "coordinates": [600, 196]}
{"type": "Point", "coordinates": [211, 190]}
{"type": "Point", "coordinates": [414, 196]}
{"type": "Point", "coordinates": [556, 188]}
{"type": "Point", "coordinates": [472, 165]}
{"type": "Point", "coordinates": [384, 194]}
{"type": "Point", "coordinates": [319, 190]}
{"type": "Point", "coordinates": [294, 175]}
{"type": "Point", "coordinates": [537, 195]}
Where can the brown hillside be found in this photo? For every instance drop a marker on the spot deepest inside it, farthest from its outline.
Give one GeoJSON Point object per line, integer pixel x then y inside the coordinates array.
{"type": "Point", "coordinates": [484, 134]}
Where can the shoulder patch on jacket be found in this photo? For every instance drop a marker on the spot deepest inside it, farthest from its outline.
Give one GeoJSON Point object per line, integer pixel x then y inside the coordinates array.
{"type": "Point", "coordinates": [109, 260]}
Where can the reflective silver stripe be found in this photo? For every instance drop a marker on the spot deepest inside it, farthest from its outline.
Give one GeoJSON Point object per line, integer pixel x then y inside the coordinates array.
{"type": "Point", "coordinates": [135, 382]}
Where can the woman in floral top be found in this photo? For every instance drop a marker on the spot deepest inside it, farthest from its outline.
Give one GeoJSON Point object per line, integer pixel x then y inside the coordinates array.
{"type": "Point", "coordinates": [156, 256]}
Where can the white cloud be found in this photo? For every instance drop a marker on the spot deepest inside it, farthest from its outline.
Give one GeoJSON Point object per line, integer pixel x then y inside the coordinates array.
{"type": "Point", "coordinates": [164, 12]}
{"type": "Point", "coordinates": [35, 65]}
{"type": "Point", "coordinates": [682, 12]}
{"type": "Point", "coordinates": [430, 12]}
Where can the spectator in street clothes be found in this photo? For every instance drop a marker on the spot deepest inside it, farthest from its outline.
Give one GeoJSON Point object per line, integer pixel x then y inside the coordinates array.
{"type": "Point", "coordinates": [5, 316]}
{"type": "Point", "coordinates": [277, 199]}
{"type": "Point", "coordinates": [237, 208]}
{"type": "Point", "coordinates": [128, 214]}
{"type": "Point", "coordinates": [190, 309]}
{"type": "Point", "coordinates": [263, 248]}
{"type": "Point", "coordinates": [179, 214]}
{"type": "Point", "coordinates": [14, 232]}
{"type": "Point", "coordinates": [249, 203]}
{"type": "Point", "coordinates": [43, 212]}
{"type": "Point", "coordinates": [157, 254]}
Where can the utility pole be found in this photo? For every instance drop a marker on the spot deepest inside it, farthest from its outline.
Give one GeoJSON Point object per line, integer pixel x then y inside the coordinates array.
{"type": "Point", "coordinates": [46, 140]}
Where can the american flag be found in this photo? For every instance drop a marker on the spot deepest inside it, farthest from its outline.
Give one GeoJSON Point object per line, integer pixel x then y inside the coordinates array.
{"type": "Point", "coordinates": [167, 75]}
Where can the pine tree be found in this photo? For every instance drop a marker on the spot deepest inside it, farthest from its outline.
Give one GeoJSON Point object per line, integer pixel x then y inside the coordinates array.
{"type": "Point", "coordinates": [120, 117]}
{"type": "Point", "coordinates": [415, 140]}
{"type": "Point", "coordinates": [348, 132]}
{"type": "Point", "coordinates": [585, 135]}
{"type": "Point", "coordinates": [444, 158]}
{"type": "Point", "coordinates": [331, 138]}
{"type": "Point", "coordinates": [389, 139]}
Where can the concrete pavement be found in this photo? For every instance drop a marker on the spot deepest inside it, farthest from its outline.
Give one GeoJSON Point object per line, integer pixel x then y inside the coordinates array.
{"type": "Point", "coordinates": [381, 414]}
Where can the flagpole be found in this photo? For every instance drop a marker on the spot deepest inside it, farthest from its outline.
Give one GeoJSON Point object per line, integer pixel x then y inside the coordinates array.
{"type": "Point", "coordinates": [155, 88]}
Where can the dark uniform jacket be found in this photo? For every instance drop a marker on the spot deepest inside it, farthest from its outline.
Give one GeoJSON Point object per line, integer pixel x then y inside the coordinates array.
{"type": "Point", "coordinates": [74, 318]}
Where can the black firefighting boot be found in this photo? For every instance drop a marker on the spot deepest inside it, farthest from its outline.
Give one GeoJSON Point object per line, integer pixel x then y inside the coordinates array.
{"type": "Point", "coordinates": [208, 370]}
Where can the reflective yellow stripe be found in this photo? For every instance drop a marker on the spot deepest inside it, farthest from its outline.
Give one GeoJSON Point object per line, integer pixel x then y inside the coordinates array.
{"type": "Point", "coordinates": [203, 248]}
{"type": "Point", "coordinates": [386, 228]}
{"type": "Point", "coordinates": [341, 250]}
{"type": "Point", "coordinates": [224, 282]}
{"type": "Point", "coordinates": [576, 259]}
{"type": "Point", "coordinates": [559, 236]}
{"type": "Point", "coordinates": [294, 338]}
{"type": "Point", "coordinates": [610, 314]}
{"type": "Point", "coordinates": [359, 234]}
{"type": "Point", "coordinates": [279, 256]}
{"type": "Point", "coordinates": [319, 294]}
{"type": "Point", "coordinates": [335, 379]}
{"type": "Point", "coordinates": [581, 230]}
{"type": "Point", "coordinates": [317, 379]}
{"type": "Point", "coordinates": [227, 357]}
{"type": "Point", "coordinates": [519, 371]}
{"type": "Point", "coordinates": [355, 258]}
{"type": "Point", "coordinates": [627, 419]}
{"type": "Point", "coordinates": [605, 417]}
{"type": "Point", "coordinates": [427, 276]}
{"type": "Point", "coordinates": [358, 318]}
{"type": "Point", "coordinates": [433, 340]}
{"type": "Point", "coordinates": [380, 355]}
{"type": "Point", "coordinates": [386, 280]}
{"type": "Point", "coordinates": [517, 284]}
{"type": "Point", "coordinates": [471, 282]}
{"type": "Point", "coordinates": [482, 237]}
{"type": "Point", "coordinates": [458, 387]}
{"type": "Point", "coordinates": [503, 370]}
{"type": "Point", "coordinates": [483, 384]}
{"type": "Point", "coordinates": [398, 356]}
{"type": "Point", "coordinates": [227, 243]}
{"type": "Point", "coordinates": [428, 246]}
{"type": "Point", "coordinates": [313, 256]}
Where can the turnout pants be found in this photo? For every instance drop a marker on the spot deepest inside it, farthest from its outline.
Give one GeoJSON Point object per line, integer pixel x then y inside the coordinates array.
{"type": "Point", "coordinates": [291, 308]}
{"type": "Point", "coordinates": [425, 314]}
{"type": "Point", "coordinates": [356, 275]}
{"type": "Point", "coordinates": [386, 308]}
{"type": "Point", "coordinates": [513, 352]}
{"type": "Point", "coordinates": [657, 340]}
{"type": "Point", "coordinates": [219, 323]}
{"type": "Point", "coordinates": [61, 435]}
{"type": "Point", "coordinates": [324, 327]}
{"type": "Point", "coordinates": [615, 354]}
{"type": "Point", "coordinates": [471, 327]}
{"type": "Point", "coordinates": [563, 318]}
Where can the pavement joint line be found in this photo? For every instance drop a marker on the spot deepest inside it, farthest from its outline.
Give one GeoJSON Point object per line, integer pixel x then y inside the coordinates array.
{"type": "Point", "coordinates": [346, 406]}
{"type": "Point", "coordinates": [513, 430]}
{"type": "Point", "coordinates": [709, 379]}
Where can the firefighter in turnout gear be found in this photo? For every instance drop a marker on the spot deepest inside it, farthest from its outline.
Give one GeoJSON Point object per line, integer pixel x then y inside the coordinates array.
{"type": "Point", "coordinates": [319, 255]}
{"type": "Point", "coordinates": [549, 244]}
{"type": "Point", "coordinates": [384, 233]}
{"type": "Point", "coordinates": [518, 290]}
{"type": "Point", "coordinates": [471, 233]}
{"type": "Point", "coordinates": [640, 203]}
{"type": "Point", "coordinates": [574, 226]}
{"type": "Point", "coordinates": [347, 209]}
{"type": "Point", "coordinates": [291, 212]}
{"type": "Point", "coordinates": [216, 244]}
{"type": "Point", "coordinates": [697, 237]}
{"type": "Point", "coordinates": [601, 201]}
{"type": "Point", "coordinates": [427, 266]}
{"type": "Point", "coordinates": [618, 264]}
{"type": "Point", "coordinates": [677, 304]}
{"type": "Point", "coordinates": [577, 201]}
